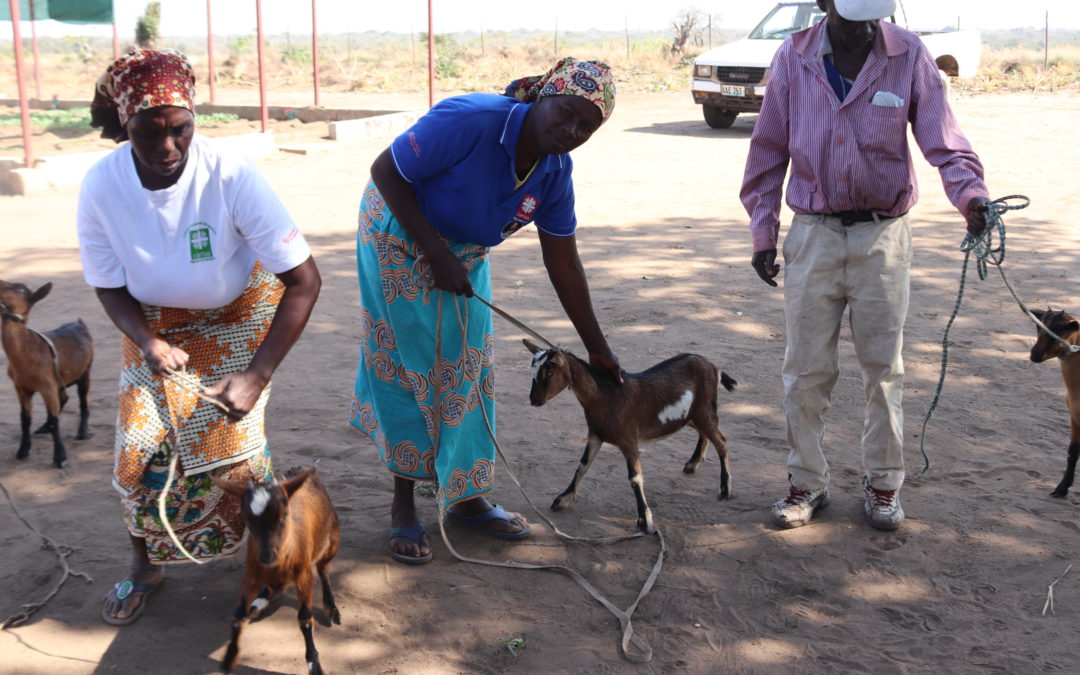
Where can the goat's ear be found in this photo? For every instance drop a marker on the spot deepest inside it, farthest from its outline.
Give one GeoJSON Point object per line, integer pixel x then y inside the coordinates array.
{"type": "Point", "coordinates": [1039, 314]}
{"type": "Point", "coordinates": [534, 348]}
{"type": "Point", "coordinates": [40, 293]}
{"type": "Point", "coordinates": [294, 482]}
{"type": "Point", "coordinates": [234, 489]}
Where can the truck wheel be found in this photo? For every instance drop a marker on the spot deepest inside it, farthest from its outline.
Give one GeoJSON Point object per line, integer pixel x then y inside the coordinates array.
{"type": "Point", "coordinates": [719, 118]}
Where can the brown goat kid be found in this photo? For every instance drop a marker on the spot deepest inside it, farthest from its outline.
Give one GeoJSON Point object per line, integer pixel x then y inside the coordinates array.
{"type": "Point", "coordinates": [652, 404]}
{"type": "Point", "coordinates": [46, 363]}
{"type": "Point", "coordinates": [1046, 347]}
{"type": "Point", "coordinates": [292, 525]}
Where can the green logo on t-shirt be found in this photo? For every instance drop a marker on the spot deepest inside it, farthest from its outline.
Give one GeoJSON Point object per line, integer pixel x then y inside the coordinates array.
{"type": "Point", "coordinates": [199, 240]}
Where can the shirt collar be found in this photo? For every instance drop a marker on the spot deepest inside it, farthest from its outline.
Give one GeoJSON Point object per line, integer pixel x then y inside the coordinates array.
{"type": "Point", "coordinates": [818, 37]}
{"type": "Point", "coordinates": [511, 132]}
{"type": "Point", "coordinates": [826, 45]}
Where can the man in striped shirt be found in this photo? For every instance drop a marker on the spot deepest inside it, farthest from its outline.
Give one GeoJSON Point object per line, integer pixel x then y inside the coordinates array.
{"type": "Point", "coordinates": [839, 101]}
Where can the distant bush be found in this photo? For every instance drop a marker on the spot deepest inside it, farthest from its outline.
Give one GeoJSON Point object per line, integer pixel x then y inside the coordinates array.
{"type": "Point", "coordinates": [1021, 69]}
{"type": "Point", "coordinates": [148, 26]}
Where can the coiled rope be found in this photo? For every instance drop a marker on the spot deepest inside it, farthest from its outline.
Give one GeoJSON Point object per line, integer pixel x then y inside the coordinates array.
{"type": "Point", "coordinates": [986, 254]}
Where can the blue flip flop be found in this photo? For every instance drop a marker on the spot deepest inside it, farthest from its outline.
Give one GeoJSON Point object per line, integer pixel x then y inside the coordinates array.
{"type": "Point", "coordinates": [479, 522]}
{"type": "Point", "coordinates": [412, 534]}
{"type": "Point", "coordinates": [123, 590]}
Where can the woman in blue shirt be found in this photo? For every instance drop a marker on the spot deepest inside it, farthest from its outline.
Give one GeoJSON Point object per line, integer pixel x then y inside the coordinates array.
{"type": "Point", "coordinates": [467, 175]}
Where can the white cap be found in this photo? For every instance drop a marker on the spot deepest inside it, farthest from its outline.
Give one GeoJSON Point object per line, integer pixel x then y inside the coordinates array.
{"type": "Point", "coordinates": [865, 10]}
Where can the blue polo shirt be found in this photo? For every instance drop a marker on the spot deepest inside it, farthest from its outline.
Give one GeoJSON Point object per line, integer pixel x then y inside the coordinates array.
{"type": "Point", "coordinates": [459, 159]}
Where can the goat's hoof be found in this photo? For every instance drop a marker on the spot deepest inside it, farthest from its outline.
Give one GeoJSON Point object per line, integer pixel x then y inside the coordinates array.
{"type": "Point", "coordinates": [82, 435]}
{"type": "Point", "coordinates": [1059, 493]}
{"type": "Point", "coordinates": [689, 468]}
{"type": "Point", "coordinates": [725, 494]}
{"type": "Point", "coordinates": [560, 503]}
{"type": "Point", "coordinates": [60, 464]}
{"type": "Point", "coordinates": [21, 456]}
{"type": "Point", "coordinates": [315, 668]}
{"type": "Point", "coordinates": [334, 615]}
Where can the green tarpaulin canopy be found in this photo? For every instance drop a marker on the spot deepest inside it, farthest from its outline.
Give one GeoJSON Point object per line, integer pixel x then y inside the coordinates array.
{"type": "Point", "coordinates": [68, 11]}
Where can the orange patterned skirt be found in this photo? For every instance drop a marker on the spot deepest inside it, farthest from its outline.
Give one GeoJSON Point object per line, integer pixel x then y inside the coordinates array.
{"type": "Point", "coordinates": [157, 418]}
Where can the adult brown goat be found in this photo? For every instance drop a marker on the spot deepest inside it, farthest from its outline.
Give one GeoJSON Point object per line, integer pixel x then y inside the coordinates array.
{"type": "Point", "coordinates": [46, 363]}
{"type": "Point", "coordinates": [1046, 347]}
{"type": "Point", "coordinates": [292, 525]}
{"type": "Point", "coordinates": [652, 404]}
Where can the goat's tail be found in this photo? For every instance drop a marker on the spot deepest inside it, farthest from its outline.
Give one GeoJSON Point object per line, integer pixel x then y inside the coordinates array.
{"type": "Point", "coordinates": [727, 381]}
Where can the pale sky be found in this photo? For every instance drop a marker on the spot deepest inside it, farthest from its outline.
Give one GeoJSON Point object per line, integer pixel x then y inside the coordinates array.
{"type": "Point", "coordinates": [188, 17]}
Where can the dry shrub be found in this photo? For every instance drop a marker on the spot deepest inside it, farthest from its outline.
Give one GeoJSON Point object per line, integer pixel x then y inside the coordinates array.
{"type": "Point", "coordinates": [1021, 69]}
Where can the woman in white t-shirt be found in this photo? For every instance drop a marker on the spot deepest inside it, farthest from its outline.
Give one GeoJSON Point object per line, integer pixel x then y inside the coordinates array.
{"type": "Point", "coordinates": [198, 264]}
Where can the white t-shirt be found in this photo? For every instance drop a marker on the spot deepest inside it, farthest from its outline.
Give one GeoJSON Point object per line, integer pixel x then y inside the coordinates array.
{"type": "Point", "coordinates": [192, 245]}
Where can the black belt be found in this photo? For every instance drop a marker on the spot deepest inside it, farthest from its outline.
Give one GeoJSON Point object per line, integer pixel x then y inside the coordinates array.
{"type": "Point", "coordinates": [848, 218]}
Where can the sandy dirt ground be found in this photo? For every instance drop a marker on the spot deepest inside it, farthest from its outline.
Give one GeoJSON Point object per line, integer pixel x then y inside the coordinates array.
{"type": "Point", "coordinates": [960, 588]}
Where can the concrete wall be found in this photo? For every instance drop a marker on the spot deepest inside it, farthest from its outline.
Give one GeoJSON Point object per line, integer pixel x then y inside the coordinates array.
{"type": "Point", "coordinates": [247, 112]}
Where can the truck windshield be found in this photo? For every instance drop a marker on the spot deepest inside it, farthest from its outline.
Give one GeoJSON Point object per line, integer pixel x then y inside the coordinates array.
{"type": "Point", "coordinates": [786, 19]}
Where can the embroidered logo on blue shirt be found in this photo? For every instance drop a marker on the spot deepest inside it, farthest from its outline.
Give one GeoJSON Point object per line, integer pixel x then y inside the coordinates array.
{"type": "Point", "coordinates": [522, 217]}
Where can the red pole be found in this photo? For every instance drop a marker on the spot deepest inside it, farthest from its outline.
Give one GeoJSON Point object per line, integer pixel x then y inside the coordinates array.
{"type": "Point", "coordinates": [20, 73]}
{"type": "Point", "coordinates": [263, 114]}
{"type": "Point", "coordinates": [430, 57]}
{"type": "Point", "coordinates": [115, 42]}
{"type": "Point", "coordinates": [315, 52]}
{"type": "Point", "coordinates": [210, 50]}
{"type": "Point", "coordinates": [37, 58]}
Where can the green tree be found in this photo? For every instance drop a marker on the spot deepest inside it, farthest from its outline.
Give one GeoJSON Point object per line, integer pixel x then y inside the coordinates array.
{"type": "Point", "coordinates": [148, 26]}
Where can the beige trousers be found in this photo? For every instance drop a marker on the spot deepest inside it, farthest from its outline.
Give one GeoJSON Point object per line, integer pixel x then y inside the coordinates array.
{"type": "Point", "coordinates": [828, 268]}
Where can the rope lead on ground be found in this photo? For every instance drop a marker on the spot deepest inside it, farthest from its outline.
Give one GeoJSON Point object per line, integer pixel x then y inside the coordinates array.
{"type": "Point", "coordinates": [986, 253]}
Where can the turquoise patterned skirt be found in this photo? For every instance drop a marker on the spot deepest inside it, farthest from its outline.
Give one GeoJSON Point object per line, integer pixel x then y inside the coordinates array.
{"type": "Point", "coordinates": [395, 394]}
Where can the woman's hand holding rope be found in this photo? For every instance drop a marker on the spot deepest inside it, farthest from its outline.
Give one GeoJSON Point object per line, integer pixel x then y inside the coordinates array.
{"type": "Point", "coordinates": [449, 273]}
{"type": "Point", "coordinates": [162, 357]}
{"type": "Point", "coordinates": [239, 391]}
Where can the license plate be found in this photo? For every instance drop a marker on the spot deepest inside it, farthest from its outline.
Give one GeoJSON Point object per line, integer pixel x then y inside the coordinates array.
{"type": "Point", "coordinates": [732, 90]}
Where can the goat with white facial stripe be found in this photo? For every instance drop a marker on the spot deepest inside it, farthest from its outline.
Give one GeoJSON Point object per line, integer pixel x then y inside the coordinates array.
{"type": "Point", "coordinates": [292, 527]}
{"type": "Point", "coordinates": [652, 404]}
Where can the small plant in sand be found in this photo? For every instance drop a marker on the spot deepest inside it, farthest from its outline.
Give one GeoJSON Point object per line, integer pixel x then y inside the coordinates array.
{"type": "Point", "coordinates": [512, 644]}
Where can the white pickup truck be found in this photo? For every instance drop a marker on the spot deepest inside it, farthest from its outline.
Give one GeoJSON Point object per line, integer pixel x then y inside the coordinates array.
{"type": "Point", "coordinates": [731, 79]}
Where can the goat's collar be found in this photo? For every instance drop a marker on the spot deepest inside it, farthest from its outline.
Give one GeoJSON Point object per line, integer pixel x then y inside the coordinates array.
{"type": "Point", "coordinates": [8, 314]}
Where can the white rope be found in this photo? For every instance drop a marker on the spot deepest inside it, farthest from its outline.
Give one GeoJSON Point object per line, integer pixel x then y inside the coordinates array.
{"type": "Point", "coordinates": [629, 636]}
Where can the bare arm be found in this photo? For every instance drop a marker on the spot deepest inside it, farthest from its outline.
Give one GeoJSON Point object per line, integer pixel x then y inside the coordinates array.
{"type": "Point", "coordinates": [126, 312]}
{"type": "Point", "coordinates": [241, 390]}
{"type": "Point", "coordinates": [447, 271]}
{"type": "Point", "coordinates": [568, 278]}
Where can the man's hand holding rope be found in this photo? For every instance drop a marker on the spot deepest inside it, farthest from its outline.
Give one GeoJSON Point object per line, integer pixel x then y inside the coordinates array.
{"type": "Point", "coordinates": [977, 208]}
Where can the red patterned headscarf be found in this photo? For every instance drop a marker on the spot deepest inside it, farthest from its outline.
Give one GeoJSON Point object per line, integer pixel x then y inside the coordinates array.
{"type": "Point", "coordinates": [591, 80]}
{"type": "Point", "coordinates": [144, 79]}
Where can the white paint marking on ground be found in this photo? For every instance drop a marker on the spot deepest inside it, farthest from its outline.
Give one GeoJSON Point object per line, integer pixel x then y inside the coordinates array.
{"type": "Point", "coordinates": [678, 409]}
{"type": "Point", "coordinates": [259, 499]}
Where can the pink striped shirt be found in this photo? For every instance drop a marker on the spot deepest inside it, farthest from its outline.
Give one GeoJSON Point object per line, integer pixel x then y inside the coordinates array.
{"type": "Point", "coordinates": [852, 155]}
